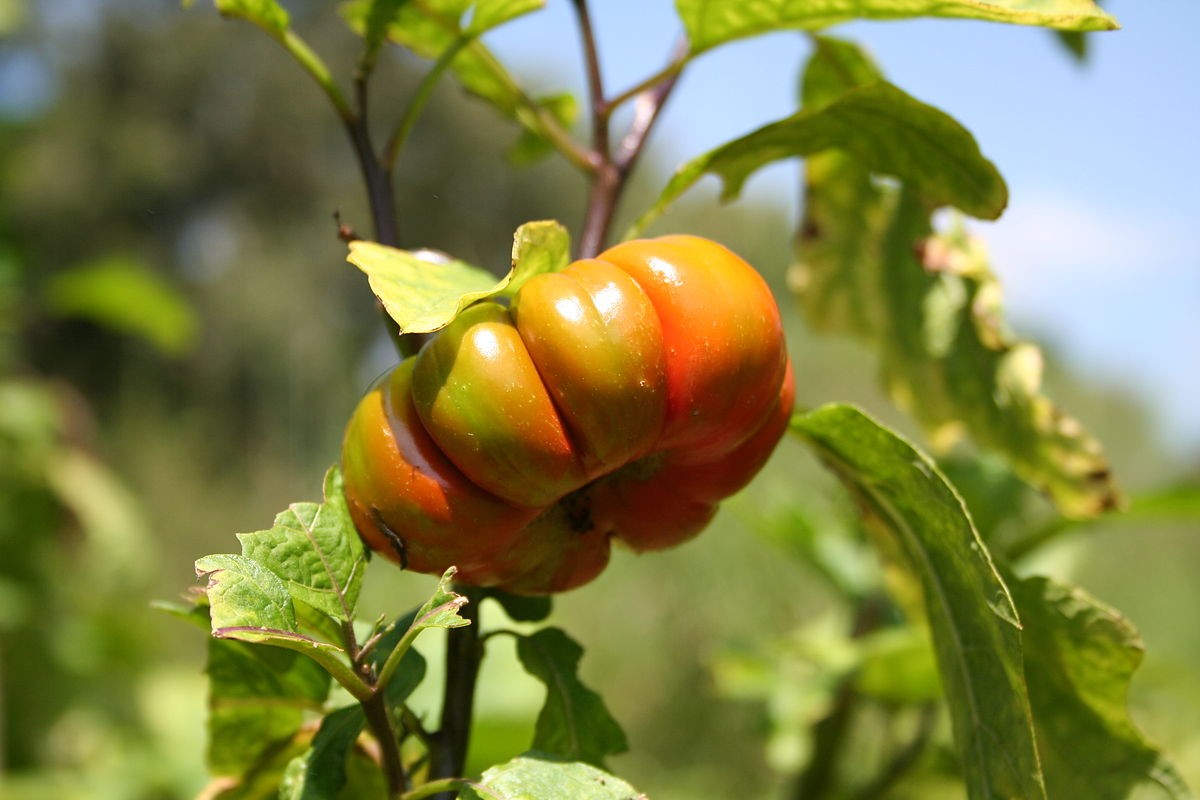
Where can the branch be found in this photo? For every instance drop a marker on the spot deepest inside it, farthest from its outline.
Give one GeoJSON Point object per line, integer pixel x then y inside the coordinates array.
{"type": "Point", "coordinates": [464, 653]}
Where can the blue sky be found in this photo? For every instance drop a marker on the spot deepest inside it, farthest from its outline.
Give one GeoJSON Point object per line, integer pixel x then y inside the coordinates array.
{"type": "Point", "coordinates": [1102, 161]}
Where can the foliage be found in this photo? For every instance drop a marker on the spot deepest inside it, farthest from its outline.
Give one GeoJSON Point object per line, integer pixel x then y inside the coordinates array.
{"type": "Point", "coordinates": [936, 324]}
{"type": "Point", "coordinates": [930, 567]}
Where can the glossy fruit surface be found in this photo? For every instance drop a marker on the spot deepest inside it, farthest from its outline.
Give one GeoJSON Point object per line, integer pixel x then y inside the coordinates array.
{"type": "Point", "coordinates": [623, 397]}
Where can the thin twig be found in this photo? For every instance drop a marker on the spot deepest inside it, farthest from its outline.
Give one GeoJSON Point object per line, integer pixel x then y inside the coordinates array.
{"type": "Point", "coordinates": [613, 169]}
{"type": "Point", "coordinates": [595, 80]}
{"type": "Point", "coordinates": [646, 109]}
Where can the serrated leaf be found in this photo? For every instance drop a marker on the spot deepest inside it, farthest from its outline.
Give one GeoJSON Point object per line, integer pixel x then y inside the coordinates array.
{"type": "Point", "coordinates": [320, 773]}
{"type": "Point", "coordinates": [534, 776]}
{"type": "Point", "coordinates": [266, 14]}
{"type": "Point", "coordinates": [574, 723]}
{"type": "Point", "coordinates": [442, 607]}
{"type": "Point", "coordinates": [972, 620]}
{"type": "Point", "coordinates": [420, 291]}
{"type": "Point", "coordinates": [869, 265]}
{"type": "Point", "coordinates": [709, 23]}
{"type": "Point", "coordinates": [1080, 657]}
{"type": "Point", "coordinates": [245, 594]}
{"type": "Point", "coordinates": [884, 128]}
{"type": "Point", "coordinates": [538, 247]}
{"type": "Point", "coordinates": [128, 298]}
{"type": "Point", "coordinates": [316, 550]}
{"type": "Point", "coordinates": [250, 603]}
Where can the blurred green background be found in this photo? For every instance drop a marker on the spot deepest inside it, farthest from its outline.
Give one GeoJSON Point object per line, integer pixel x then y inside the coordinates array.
{"type": "Point", "coordinates": [181, 341]}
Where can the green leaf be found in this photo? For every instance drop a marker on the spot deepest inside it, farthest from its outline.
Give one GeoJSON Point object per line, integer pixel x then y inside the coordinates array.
{"type": "Point", "coordinates": [376, 19]}
{"type": "Point", "coordinates": [1080, 657]}
{"type": "Point", "coordinates": [574, 723]}
{"type": "Point", "coordinates": [442, 607]}
{"type": "Point", "coordinates": [1075, 43]}
{"type": "Point", "coordinates": [535, 776]}
{"type": "Point", "coordinates": [421, 290]}
{"type": "Point", "coordinates": [531, 146]}
{"type": "Point", "coordinates": [244, 594]}
{"type": "Point", "coordinates": [320, 773]}
{"type": "Point", "coordinates": [488, 14]}
{"type": "Point", "coordinates": [886, 130]}
{"type": "Point", "coordinates": [316, 550]}
{"type": "Point", "coordinates": [897, 665]}
{"type": "Point", "coordinates": [797, 679]}
{"type": "Point", "coordinates": [439, 611]}
{"type": "Point", "coordinates": [258, 698]}
{"type": "Point", "coordinates": [251, 603]}
{"type": "Point", "coordinates": [126, 297]}
{"type": "Point", "coordinates": [266, 14]}
{"type": "Point", "coordinates": [869, 265]}
{"type": "Point", "coordinates": [521, 607]}
{"type": "Point", "coordinates": [433, 28]}
{"type": "Point", "coordinates": [538, 247]}
{"type": "Point", "coordinates": [713, 22]}
{"type": "Point", "coordinates": [972, 620]}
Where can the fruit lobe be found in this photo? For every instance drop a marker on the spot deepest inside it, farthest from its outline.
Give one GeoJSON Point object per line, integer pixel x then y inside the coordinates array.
{"type": "Point", "coordinates": [623, 397]}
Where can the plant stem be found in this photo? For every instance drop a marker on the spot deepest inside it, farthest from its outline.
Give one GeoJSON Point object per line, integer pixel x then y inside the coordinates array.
{"type": "Point", "coordinates": [464, 654]}
{"type": "Point", "coordinates": [610, 172]}
{"type": "Point", "coordinates": [374, 705]}
{"type": "Point", "coordinates": [378, 179]}
{"type": "Point", "coordinates": [380, 720]}
{"type": "Point", "coordinates": [418, 101]}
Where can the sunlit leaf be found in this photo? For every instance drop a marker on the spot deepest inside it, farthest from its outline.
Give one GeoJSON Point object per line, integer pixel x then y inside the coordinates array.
{"type": "Point", "coordinates": [534, 776]}
{"type": "Point", "coordinates": [422, 291]}
{"type": "Point", "coordinates": [870, 265]}
{"type": "Point", "coordinates": [316, 550]}
{"type": "Point", "coordinates": [266, 14]}
{"type": "Point", "coordinates": [432, 27]}
{"type": "Point", "coordinates": [1080, 657]}
{"type": "Point", "coordinates": [126, 297]}
{"type": "Point", "coordinates": [713, 22]}
{"type": "Point", "coordinates": [321, 772]}
{"type": "Point", "coordinates": [574, 723]}
{"type": "Point", "coordinates": [442, 608]}
{"type": "Point", "coordinates": [883, 128]}
{"type": "Point", "coordinates": [973, 623]}
{"type": "Point", "coordinates": [538, 247]}
{"type": "Point", "coordinates": [488, 14]}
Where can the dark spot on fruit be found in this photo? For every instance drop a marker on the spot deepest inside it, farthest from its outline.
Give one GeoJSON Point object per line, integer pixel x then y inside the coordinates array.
{"type": "Point", "coordinates": [393, 538]}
